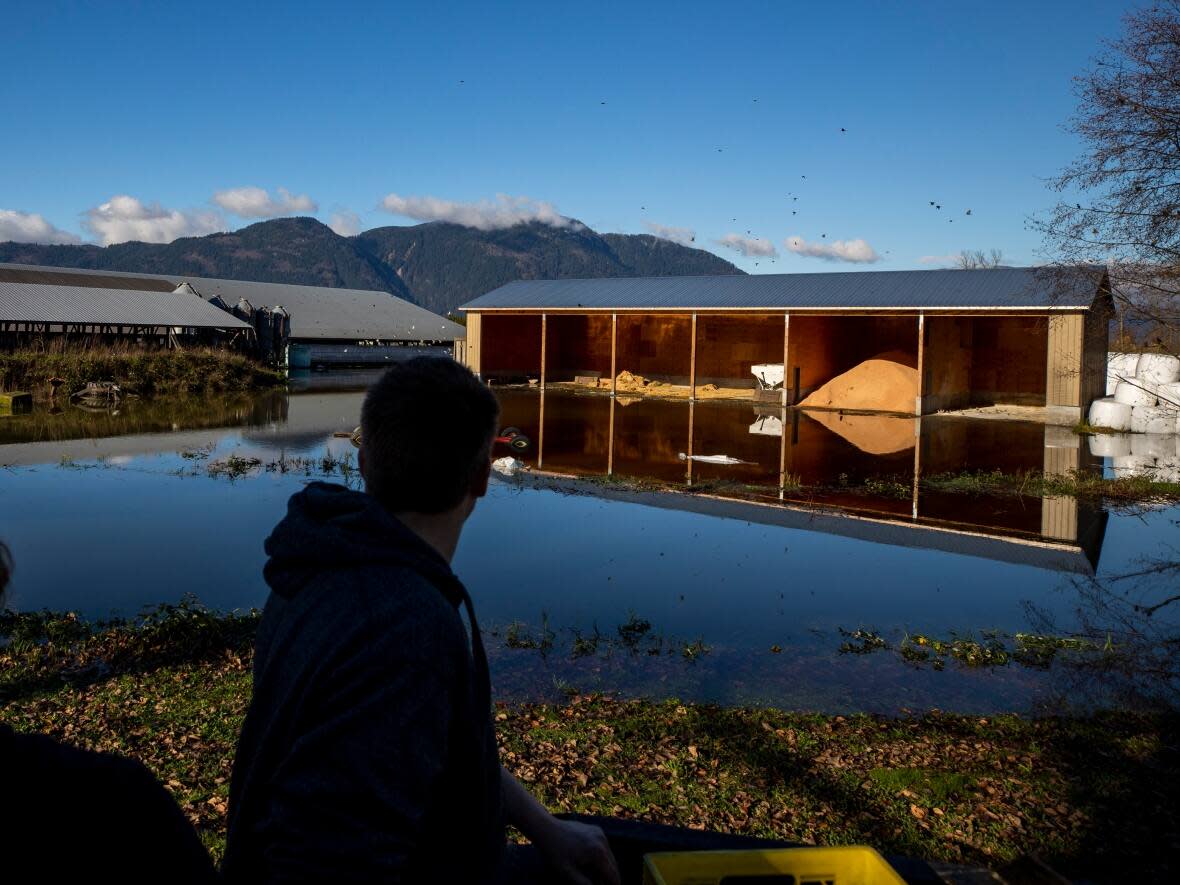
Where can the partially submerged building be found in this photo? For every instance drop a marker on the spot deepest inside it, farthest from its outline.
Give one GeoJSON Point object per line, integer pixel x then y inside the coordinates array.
{"type": "Point", "coordinates": [328, 326]}
{"type": "Point", "coordinates": [915, 342]}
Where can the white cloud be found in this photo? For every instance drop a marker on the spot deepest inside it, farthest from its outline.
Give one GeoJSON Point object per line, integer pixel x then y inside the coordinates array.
{"type": "Point", "coordinates": [254, 202]}
{"type": "Point", "coordinates": [123, 218]}
{"type": "Point", "coordinates": [939, 259]}
{"type": "Point", "coordinates": [345, 223]}
{"type": "Point", "coordinates": [685, 236]}
{"type": "Point", "coordinates": [504, 211]}
{"type": "Point", "coordinates": [751, 247]}
{"type": "Point", "coordinates": [853, 251]}
{"type": "Point", "coordinates": [29, 227]}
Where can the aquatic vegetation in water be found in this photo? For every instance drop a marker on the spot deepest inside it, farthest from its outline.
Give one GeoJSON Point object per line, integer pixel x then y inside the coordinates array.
{"type": "Point", "coordinates": [990, 649]}
{"type": "Point", "coordinates": [633, 631]}
{"type": "Point", "coordinates": [234, 466]}
{"type": "Point", "coordinates": [860, 642]}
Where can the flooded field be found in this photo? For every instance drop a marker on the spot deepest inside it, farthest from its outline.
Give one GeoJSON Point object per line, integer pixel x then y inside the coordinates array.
{"type": "Point", "coordinates": [710, 551]}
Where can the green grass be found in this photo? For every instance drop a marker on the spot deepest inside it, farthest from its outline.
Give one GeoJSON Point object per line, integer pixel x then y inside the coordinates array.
{"type": "Point", "coordinates": [136, 370]}
{"type": "Point", "coordinates": [1093, 796]}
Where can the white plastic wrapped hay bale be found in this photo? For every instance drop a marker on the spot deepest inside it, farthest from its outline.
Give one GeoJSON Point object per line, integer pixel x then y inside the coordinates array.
{"type": "Point", "coordinates": [1169, 395]}
{"type": "Point", "coordinates": [1154, 445]}
{"type": "Point", "coordinates": [1110, 445]}
{"type": "Point", "coordinates": [1152, 419]}
{"type": "Point", "coordinates": [1119, 367]}
{"type": "Point", "coordinates": [1158, 368]}
{"type": "Point", "coordinates": [1135, 393]}
{"type": "Point", "coordinates": [1133, 465]}
{"type": "Point", "coordinates": [1109, 412]}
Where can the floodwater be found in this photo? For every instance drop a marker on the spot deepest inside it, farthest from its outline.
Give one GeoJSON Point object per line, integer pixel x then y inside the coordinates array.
{"type": "Point", "coordinates": [744, 584]}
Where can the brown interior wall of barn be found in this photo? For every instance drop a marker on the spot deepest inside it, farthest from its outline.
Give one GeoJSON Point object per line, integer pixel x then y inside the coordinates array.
{"type": "Point", "coordinates": [1008, 357]}
{"type": "Point", "coordinates": [510, 346]}
{"type": "Point", "coordinates": [728, 346]}
{"type": "Point", "coordinates": [822, 347]}
{"type": "Point", "coordinates": [577, 344]}
{"type": "Point", "coordinates": [946, 363]}
{"type": "Point", "coordinates": [657, 347]}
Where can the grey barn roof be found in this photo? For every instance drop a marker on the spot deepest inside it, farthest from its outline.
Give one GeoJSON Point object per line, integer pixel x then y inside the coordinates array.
{"type": "Point", "coordinates": [317, 312]}
{"type": "Point", "coordinates": [1016, 287]}
{"type": "Point", "coordinates": [37, 303]}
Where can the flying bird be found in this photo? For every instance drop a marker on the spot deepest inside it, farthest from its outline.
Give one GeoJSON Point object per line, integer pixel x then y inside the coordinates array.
{"type": "Point", "coordinates": [968, 211]}
{"type": "Point", "coordinates": [842, 129]}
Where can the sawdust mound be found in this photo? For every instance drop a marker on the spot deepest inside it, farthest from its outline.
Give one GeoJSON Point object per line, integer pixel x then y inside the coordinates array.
{"type": "Point", "coordinates": [872, 434]}
{"type": "Point", "coordinates": [887, 382]}
{"type": "Point", "coordinates": [627, 381]}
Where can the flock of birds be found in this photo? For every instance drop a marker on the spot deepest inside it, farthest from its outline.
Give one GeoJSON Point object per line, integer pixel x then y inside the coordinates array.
{"type": "Point", "coordinates": [794, 197]}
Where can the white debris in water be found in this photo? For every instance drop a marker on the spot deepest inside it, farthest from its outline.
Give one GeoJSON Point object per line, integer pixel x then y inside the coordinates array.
{"type": "Point", "coordinates": [507, 465]}
{"type": "Point", "coordinates": [713, 459]}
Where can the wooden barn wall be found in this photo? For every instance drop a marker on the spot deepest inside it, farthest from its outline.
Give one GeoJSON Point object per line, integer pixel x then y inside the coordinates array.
{"type": "Point", "coordinates": [825, 346]}
{"type": "Point", "coordinates": [655, 346]}
{"type": "Point", "coordinates": [472, 349]}
{"type": "Point", "coordinates": [1064, 374]}
{"type": "Point", "coordinates": [946, 363]}
{"type": "Point", "coordinates": [727, 346]}
{"type": "Point", "coordinates": [1095, 344]}
{"type": "Point", "coordinates": [1009, 359]}
{"type": "Point", "coordinates": [577, 344]}
{"type": "Point", "coordinates": [510, 345]}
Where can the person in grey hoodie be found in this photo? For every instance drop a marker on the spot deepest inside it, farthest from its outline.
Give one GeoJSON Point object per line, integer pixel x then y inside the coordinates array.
{"type": "Point", "coordinates": [368, 752]}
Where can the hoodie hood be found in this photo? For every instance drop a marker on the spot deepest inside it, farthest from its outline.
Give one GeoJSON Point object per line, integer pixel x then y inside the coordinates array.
{"type": "Point", "coordinates": [329, 527]}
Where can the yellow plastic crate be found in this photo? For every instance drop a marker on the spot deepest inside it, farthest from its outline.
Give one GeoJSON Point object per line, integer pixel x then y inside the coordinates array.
{"type": "Point", "coordinates": [850, 865]}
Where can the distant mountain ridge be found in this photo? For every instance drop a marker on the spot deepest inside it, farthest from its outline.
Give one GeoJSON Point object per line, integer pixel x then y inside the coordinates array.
{"type": "Point", "coordinates": [436, 265]}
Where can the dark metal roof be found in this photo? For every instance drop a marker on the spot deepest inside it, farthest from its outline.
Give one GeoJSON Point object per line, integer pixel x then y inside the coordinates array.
{"type": "Point", "coordinates": [1014, 287]}
{"type": "Point", "coordinates": [317, 312]}
{"type": "Point", "coordinates": [15, 273]}
{"type": "Point", "coordinates": [92, 305]}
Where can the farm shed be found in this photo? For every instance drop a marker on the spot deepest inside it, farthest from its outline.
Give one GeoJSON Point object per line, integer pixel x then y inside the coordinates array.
{"type": "Point", "coordinates": [35, 310]}
{"type": "Point", "coordinates": [913, 342]}
{"type": "Point", "coordinates": [329, 326]}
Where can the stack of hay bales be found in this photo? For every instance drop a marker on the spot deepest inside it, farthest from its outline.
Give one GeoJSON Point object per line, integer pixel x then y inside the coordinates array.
{"type": "Point", "coordinates": [1140, 454]}
{"type": "Point", "coordinates": [1143, 394]}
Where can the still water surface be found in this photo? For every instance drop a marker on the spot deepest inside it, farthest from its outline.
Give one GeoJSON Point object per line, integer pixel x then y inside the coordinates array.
{"type": "Point", "coordinates": [729, 591]}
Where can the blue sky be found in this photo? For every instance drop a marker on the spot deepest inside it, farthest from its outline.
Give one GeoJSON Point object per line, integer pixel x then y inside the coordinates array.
{"type": "Point", "coordinates": [713, 115]}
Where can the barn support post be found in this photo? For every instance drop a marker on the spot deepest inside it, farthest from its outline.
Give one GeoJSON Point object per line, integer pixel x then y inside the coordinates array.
{"type": "Point", "coordinates": [610, 441]}
{"type": "Point", "coordinates": [917, 463]}
{"type": "Point", "coordinates": [614, 347]}
{"type": "Point", "coordinates": [921, 364]}
{"type": "Point", "coordinates": [541, 432]}
{"type": "Point", "coordinates": [786, 351]}
{"type": "Point", "coordinates": [782, 447]}
{"type": "Point", "coordinates": [544, 341]}
{"type": "Point", "coordinates": [692, 362]}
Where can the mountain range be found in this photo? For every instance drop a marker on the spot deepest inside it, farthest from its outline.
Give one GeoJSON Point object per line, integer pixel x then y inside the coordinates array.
{"type": "Point", "coordinates": [436, 265]}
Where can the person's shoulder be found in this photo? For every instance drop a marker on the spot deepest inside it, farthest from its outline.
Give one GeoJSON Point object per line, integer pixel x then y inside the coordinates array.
{"type": "Point", "coordinates": [387, 606]}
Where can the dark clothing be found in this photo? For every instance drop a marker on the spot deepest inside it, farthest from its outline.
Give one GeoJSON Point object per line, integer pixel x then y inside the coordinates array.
{"type": "Point", "coordinates": [73, 815]}
{"type": "Point", "coordinates": [368, 753]}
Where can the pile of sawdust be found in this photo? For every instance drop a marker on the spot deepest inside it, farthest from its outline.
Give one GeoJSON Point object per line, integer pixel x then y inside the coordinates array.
{"type": "Point", "coordinates": [626, 381]}
{"type": "Point", "coordinates": [886, 383]}
{"type": "Point", "coordinates": [873, 434]}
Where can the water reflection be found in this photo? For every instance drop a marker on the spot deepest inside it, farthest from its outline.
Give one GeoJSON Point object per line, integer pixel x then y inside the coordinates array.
{"type": "Point", "coordinates": [869, 466]}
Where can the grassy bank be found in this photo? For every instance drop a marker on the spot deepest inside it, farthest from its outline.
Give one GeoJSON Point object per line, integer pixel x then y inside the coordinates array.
{"type": "Point", "coordinates": [143, 372]}
{"type": "Point", "coordinates": [1086, 484]}
{"type": "Point", "coordinates": [1093, 796]}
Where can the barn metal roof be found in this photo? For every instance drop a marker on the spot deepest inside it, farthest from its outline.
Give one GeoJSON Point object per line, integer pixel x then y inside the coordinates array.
{"type": "Point", "coordinates": [317, 312]}
{"type": "Point", "coordinates": [93, 305]}
{"type": "Point", "coordinates": [998, 288]}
